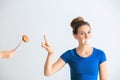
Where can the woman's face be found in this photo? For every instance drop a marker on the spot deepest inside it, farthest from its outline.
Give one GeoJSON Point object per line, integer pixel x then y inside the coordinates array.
{"type": "Point", "coordinates": [84, 34]}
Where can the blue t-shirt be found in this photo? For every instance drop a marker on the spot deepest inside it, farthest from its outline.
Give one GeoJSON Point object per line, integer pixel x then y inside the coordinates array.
{"type": "Point", "coordinates": [84, 68]}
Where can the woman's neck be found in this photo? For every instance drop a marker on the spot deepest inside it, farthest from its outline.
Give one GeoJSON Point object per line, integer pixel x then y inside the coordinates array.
{"type": "Point", "coordinates": [84, 48]}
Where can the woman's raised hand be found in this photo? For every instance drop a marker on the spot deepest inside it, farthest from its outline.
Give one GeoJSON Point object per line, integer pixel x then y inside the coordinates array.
{"type": "Point", "coordinates": [47, 46]}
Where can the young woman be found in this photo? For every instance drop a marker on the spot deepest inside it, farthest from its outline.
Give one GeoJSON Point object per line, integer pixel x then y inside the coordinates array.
{"type": "Point", "coordinates": [84, 60]}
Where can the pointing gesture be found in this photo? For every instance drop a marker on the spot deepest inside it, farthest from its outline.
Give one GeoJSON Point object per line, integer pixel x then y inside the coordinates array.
{"type": "Point", "coordinates": [47, 46]}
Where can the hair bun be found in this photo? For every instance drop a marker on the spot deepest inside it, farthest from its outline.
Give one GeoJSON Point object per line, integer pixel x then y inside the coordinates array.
{"type": "Point", "coordinates": [79, 19]}
{"type": "Point", "coordinates": [76, 20]}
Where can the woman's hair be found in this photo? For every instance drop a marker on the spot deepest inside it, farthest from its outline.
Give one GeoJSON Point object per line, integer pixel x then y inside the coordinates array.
{"type": "Point", "coordinates": [78, 22]}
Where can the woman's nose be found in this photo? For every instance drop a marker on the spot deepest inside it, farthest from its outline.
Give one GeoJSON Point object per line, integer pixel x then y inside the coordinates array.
{"type": "Point", "coordinates": [86, 36]}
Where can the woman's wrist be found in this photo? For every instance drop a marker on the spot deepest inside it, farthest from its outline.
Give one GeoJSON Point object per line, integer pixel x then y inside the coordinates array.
{"type": "Point", "coordinates": [50, 53]}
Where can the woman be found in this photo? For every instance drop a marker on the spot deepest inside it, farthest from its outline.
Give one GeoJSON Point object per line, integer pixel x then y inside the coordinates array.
{"type": "Point", "coordinates": [7, 54]}
{"type": "Point", "coordinates": [85, 61]}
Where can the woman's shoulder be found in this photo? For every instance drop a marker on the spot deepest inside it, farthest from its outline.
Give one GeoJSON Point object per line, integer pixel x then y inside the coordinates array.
{"type": "Point", "coordinates": [69, 51]}
{"type": "Point", "coordinates": [99, 51]}
{"type": "Point", "coordinates": [67, 55]}
{"type": "Point", "coordinates": [100, 54]}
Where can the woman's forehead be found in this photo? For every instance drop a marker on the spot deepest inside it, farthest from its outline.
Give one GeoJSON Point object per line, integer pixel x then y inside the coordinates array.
{"type": "Point", "coordinates": [84, 28]}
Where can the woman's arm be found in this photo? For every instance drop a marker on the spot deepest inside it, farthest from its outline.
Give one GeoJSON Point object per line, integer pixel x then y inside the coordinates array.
{"type": "Point", "coordinates": [103, 71]}
{"type": "Point", "coordinates": [49, 67]}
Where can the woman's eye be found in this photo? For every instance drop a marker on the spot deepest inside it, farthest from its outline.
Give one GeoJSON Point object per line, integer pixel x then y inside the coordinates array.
{"type": "Point", "coordinates": [89, 32]}
{"type": "Point", "coordinates": [81, 33]}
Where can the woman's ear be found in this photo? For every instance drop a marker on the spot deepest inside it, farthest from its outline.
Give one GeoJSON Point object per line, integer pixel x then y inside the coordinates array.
{"type": "Point", "coordinates": [75, 36]}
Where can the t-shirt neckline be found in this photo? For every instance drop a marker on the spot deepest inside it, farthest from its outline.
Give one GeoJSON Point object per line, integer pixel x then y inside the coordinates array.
{"type": "Point", "coordinates": [84, 57]}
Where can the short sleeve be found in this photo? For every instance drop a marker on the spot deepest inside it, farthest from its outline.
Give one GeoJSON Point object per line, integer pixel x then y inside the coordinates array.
{"type": "Point", "coordinates": [102, 57]}
{"type": "Point", "coordinates": [65, 56]}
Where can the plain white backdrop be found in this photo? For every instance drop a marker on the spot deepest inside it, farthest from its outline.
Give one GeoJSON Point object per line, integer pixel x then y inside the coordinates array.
{"type": "Point", "coordinates": [52, 17]}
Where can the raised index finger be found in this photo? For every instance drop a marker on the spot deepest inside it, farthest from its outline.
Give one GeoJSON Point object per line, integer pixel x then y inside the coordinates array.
{"type": "Point", "coordinates": [45, 39]}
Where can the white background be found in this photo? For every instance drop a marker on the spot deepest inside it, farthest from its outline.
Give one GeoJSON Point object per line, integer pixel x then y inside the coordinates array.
{"type": "Point", "coordinates": [52, 17]}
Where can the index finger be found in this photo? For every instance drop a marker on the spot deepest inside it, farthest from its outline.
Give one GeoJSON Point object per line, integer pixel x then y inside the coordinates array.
{"type": "Point", "coordinates": [45, 39]}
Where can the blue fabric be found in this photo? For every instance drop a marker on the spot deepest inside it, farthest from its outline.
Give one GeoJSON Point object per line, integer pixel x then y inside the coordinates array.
{"type": "Point", "coordinates": [84, 68]}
